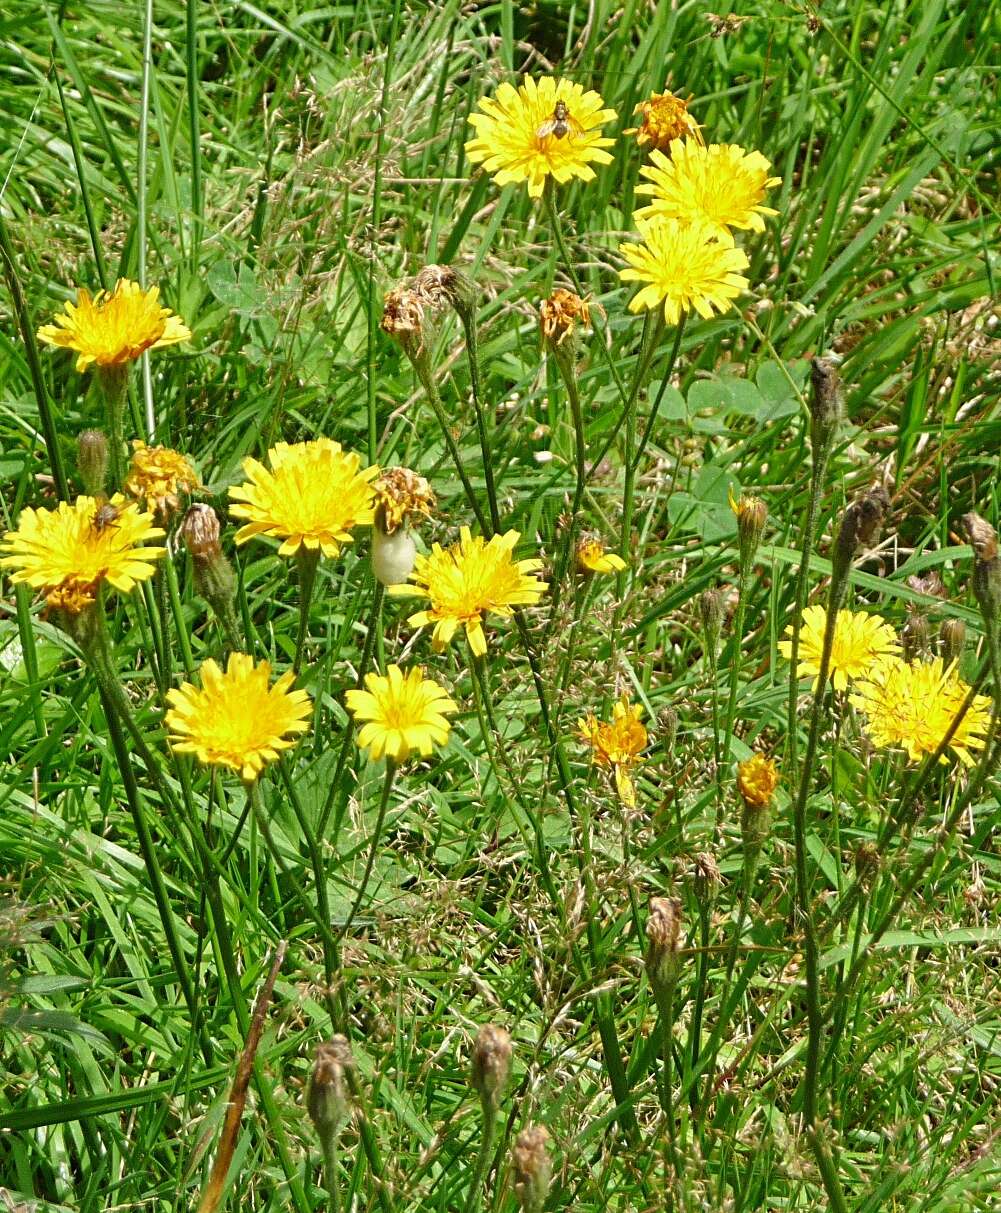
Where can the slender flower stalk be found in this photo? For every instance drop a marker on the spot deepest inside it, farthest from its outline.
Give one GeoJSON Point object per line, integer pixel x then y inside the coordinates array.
{"type": "Point", "coordinates": [491, 1070]}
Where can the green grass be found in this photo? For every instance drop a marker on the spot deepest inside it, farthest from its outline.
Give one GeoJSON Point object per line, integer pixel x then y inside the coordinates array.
{"type": "Point", "coordinates": [295, 163]}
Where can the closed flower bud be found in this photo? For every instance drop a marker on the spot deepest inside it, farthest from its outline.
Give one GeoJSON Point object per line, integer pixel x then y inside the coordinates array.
{"type": "Point", "coordinates": [752, 513]}
{"type": "Point", "coordinates": [214, 575]}
{"type": "Point", "coordinates": [663, 934]}
{"type": "Point", "coordinates": [860, 526]}
{"type": "Point", "coordinates": [867, 863]}
{"type": "Point", "coordinates": [533, 1168]}
{"type": "Point", "coordinates": [492, 1052]}
{"type": "Point", "coordinates": [952, 636]}
{"type": "Point", "coordinates": [92, 462]}
{"type": "Point", "coordinates": [393, 555]}
{"type": "Point", "coordinates": [915, 635]}
{"type": "Point", "coordinates": [667, 726]}
{"type": "Point", "coordinates": [327, 1097]}
{"type": "Point", "coordinates": [986, 567]}
{"type": "Point", "coordinates": [825, 403]}
{"type": "Point", "coordinates": [707, 876]}
{"type": "Point", "coordinates": [200, 531]}
{"type": "Point", "coordinates": [711, 611]}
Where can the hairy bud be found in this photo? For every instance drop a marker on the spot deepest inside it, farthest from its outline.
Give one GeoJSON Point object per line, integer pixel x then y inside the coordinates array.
{"type": "Point", "coordinates": [986, 568]}
{"type": "Point", "coordinates": [491, 1069]}
{"type": "Point", "coordinates": [92, 461]}
{"type": "Point", "coordinates": [860, 526]}
{"type": "Point", "coordinates": [952, 637]}
{"type": "Point", "coordinates": [327, 1096]}
{"type": "Point", "coordinates": [825, 403]}
{"type": "Point", "coordinates": [533, 1168]}
{"type": "Point", "coordinates": [711, 611]}
{"type": "Point", "coordinates": [663, 933]}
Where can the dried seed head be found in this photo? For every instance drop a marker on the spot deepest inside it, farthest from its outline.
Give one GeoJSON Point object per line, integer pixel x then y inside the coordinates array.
{"type": "Point", "coordinates": [867, 863]}
{"type": "Point", "coordinates": [92, 462]}
{"type": "Point", "coordinates": [952, 636]}
{"type": "Point", "coordinates": [825, 403]}
{"type": "Point", "coordinates": [214, 575]}
{"type": "Point", "coordinates": [663, 933]}
{"type": "Point", "coordinates": [200, 531]}
{"type": "Point", "coordinates": [492, 1053]}
{"type": "Point", "coordinates": [667, 727]}
{"type": "Point", "coordinates": [915, 635]}
{"type": "Point", "coordinates": [441, 286]}
{"type": "Point", "coordinates": [986, 568]}
{"type": "Point", "coordinates": [327, 1096]}
{"type": "Point", "coordinates": [533, 1168]}
{"type": "Point", "coordinates": [707, 876]}
{"type": "Point", "coordinates": [404, 319]}
{"type": "Point", "coordinates": [860, 525]}
{"type": "Point", "coordinates": [928, 583]}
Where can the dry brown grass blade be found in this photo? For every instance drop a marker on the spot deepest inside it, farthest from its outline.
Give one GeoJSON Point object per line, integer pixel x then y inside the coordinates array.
{"type": "Point", "coordinates": [212, 1194]}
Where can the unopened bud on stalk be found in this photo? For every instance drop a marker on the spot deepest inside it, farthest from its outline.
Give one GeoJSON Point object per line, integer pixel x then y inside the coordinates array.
{"type": "Point", "coordinates": [915, 635]}
{"type": "Point", "coordinates": [986, 567]}
{"type": "Point", "coordinates": [825, 403]}
{"type": "Point", "coordinates": [667, 727]}
{"type": "Point", "coordinates": [404, 319]}
{"type": "Point", "coordinates": [752, 513]}
{"type": "Point", "coordinates": [867, 863]}
{"type": "Point", "coordinates": [327, 1097]}
{"type": "Point", "coordinates": [491, 1069]}
{"type": "Point", "coordinates": [757, 779]}
{"type": "Point", "coordinates": [92, 461]}
{"type": "Point", "coordinates": [533, 1168]}
{"type": "Point", "coordinates": [711, 611]}
{"type": "Point", "coordinates": [708, 877]}
{"type": "Point", "coordinates": [952, 636]}
{"type": "Point", "coordinates": [860, 527]}
{"type": "Point", "coordinates": [663, 934]}
{"type": "Point", "coordinates": [200, 531]}
{"type": "Point", "coordinates": [214, 576]}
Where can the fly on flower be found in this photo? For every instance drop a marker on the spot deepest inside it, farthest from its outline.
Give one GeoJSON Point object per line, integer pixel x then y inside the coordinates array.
{"type": "Point", "coordinates": [561, 124]}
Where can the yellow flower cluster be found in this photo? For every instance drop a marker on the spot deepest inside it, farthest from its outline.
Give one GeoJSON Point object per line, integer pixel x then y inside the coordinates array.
{"type": "Point", "coordinates": [617, 745]}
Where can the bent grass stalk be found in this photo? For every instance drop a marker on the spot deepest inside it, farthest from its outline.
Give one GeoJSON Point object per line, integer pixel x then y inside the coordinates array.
{"type": "Point", "coordinates": [380, 821]}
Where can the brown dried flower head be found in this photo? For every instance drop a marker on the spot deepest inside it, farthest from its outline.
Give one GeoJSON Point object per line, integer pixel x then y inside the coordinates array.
{"type": "Point", "coordinates": [327, 1097]}
{"type": "Point", "coordinates": [559, 314]}
{"type": "Point", "coordinates": [492, 1053]}
{"type": "Point", "coordinates": [441, 286]}
{"type": "Point", "coordinates": [402, 496]}
{"type": "Point", "coordinates": [200, 531]}
{"type": "Point", "coordinates": [663, 933]}
{"type": "Point", "coordinates": [665, 117]}
{"type": "Point", "coordinates": [403, 317]}
{"type": "Point", "coordinates": [158, 477]}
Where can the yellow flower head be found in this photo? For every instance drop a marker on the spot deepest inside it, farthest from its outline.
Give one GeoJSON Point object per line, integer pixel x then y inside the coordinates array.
{"type": "Point", "coordinates": [114, 327]}
{"type": "Point", "coordinates": [236, 719]}
{"type": "Point", "coordinates": [466, 581]}
{"type": "Point", "coordinates": [683, 266]}
{"type": "Point", "coordinates": [913, 706]}
{"type": "Point", "coordinates": [313, 496]}
{"type": "Point", "coordinates": [592, 557]}
{"type": "Point", "coordinates": [545, 128]}
{"type": "Point", "coordinates": [401, 713]}
{"type": "Point", "coordinates": [69, 551]}
{"type": "Point", "coordinates": [860, 640]}
{"type": "Point", "coordinates": [619, 745]}
{"type": "Point", "coordinates": [720, 186]}
{"type": "Point", "coordinates": [157, 475]}
{"type": "Point", "coordinates": [401, 497]}
{"type": "Point", "coordinates": [757, 779]}
{"type": "Point", "coordinates": [558, 315]}
{"type": "Point", "coordinates": [665, 118]}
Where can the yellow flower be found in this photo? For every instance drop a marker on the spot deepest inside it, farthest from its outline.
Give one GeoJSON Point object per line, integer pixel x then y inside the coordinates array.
{"type": "Point", "coordinates": [520, 135]}
{"type": "Point", "coordinates": [757, 779]}
{"type": "Point", "coordinates": [114, 327]}
{"type": "Point", "coordinates": [157, 475]}
{"type": "Point", "coordinates": [913, 706]}
{"type": "Point", "coordinates": [665, 118]}
{"type": "Point", "coordinates": [312, 497]}
{"type": "Point", "coordinates": [860, 640]}
{"type": "Point", "coordinates": [402, 713]}
{"type": "Point", "coordinates": [467, 580]}
{"type": "Point", "coordinates": [684, 267]}
{"type": "Point", "coordinates": [401, 497]}
{"type": "Point", "coordinates": [559, 313]}
{"type": "Point", "coordinates": [236, 719]}
{"type": "Point", "coordinates": [592, 558]}
{"type": "Point", "coordinates": [69, 551]}
{"type": "Point", "coordinates": [618, 745]}
{"type": "Point", "coordinates": [720, 186]}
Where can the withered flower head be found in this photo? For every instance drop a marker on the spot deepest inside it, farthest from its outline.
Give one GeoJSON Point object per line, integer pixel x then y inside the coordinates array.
{"type": "Point", "coordinates": [952, 635]}
{"type": "Point", "coordinates": [707, 875]}
{"type": "Point", "coordinates": [404, 318]}
{"type": "Point", "coordinates": [825, 402]}
{"type": "Point", "coordinates": [728, 24]}
{"type": "Point", "coordinates": [861, 524]}
{"type": "Point", "coordinates": [158, 477]}
{"type": "Point", "coordinates": [441, 286]}
{"type": "Point", "coordinates": [401, 496]}
{"type": "Point", "coordinates": [327, 1097]}
{"type": "Point", "coordinates": [867, 862]}
{"type": "Point", "coordinates": [928, 583]}
{"type": "Point", "coordinates": [558, 315]}
{"type": "Point", "coordinates": [492, 1051]}
{"type": "Point", "coordinates": [665, 117]}
{"type": "Point", "coordinates": [200, 531]}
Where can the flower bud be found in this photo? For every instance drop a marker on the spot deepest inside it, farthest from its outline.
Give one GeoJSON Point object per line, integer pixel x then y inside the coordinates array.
{"type": "Point", "coordinates": [200, 531]}
{"type": "Point", "coordinates": [952, 637]}
{"type": "Point", "coordinates": [215, 579]}
{"type": "Point", "coordinates": [393, 555]}
{"type": "Point", "coordinates": [711, 611]}
{"type": "Point", "coordinates": [915, 635]}
{"type": "Point", "coordinates": [986, 567]}
{"type": "Point", "coordinates": [867, 863]}
{"type": "Point", "coordinates": [825, 403]}
{"type": "Point", "coordinates": [982, 536]}
{"type": "Point", "coordinates": [860, 527]}
{"type": "Point", "coordinates": [707, 876]}
{"type": "Point", "coordinates": [533, 1168]}
{"type": "Point", "coordinates": [663, 933]}
{"type": "Point", "coordinates": [667, 726]}
{"type": "Point", "coordinates": [92, 462]}
{"type": "Point", "coordinates": [327, 1097]}
{"type": "Point", "coordinates": [752, 513]}
{"type": "Point", "coordinates": [491, 1069]}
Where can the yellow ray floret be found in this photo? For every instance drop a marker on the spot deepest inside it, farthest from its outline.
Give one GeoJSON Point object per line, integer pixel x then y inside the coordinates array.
{"type": "Point", "coordinates": [235, 719]}
{"type": "Point", "coordinates": [114, 327]}
{"type": "Point", "coordinates": [720, 186]}
{"type": "Point", "coordinates": [401, 713]}
{"type": "Point", "coordinates": [683, 266]}
{"type": "Point", "coordinates": [467, 581]}
{"type": "Point", "coordinates": [913, 706]}
{"type": "Point", "coordinates": [515, 141]}
{"type": "Point", "coordinates": [157, 476]}
{"type": "Point", "coordinates": [313, 496]}
{"type": "Point", "coordinates": [592, 558]}
{"type": "Point", "coordinates": [619, 745]}
{"type": "Point", "coordinates": [860, 640]}
{"type": "Point", "coordinates": [69, 551]}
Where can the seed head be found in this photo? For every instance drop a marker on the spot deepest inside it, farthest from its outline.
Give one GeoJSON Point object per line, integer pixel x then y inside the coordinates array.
{"type": "Point", "coordinates": [441, 286]}
{"type": "Point", "coordinates": [492, 1053]}
{"type": "Point", "coordinates": [986, 567]}
{"type": "Point", "coordinates": [200, 531]}
{"type": "Point", "coordinates": [404, 319]}
{"type": "Point", "coordinates": [707, 875]}
{"type": "Point", "coordinates": [860, 526]}
{"type": "Point", "coordinates": [533, 1168]}
{"type": "Point", "coordinates": [867, 863]}
{"type": "Point", "coordinates": [667, 727]}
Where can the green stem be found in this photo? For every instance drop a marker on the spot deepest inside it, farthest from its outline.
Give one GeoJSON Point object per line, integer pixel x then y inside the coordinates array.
{"type": "Point", "coordinates": [434, 399]}
{"type": "Point", "coordinates": [307, 562]}
{"type": "Point", "coordinates": [380, 821]}
{"type": "Point", "coordinates": [328, 1145]}
{"type": "Point", "coordinates": [736, 653]}
{"type": "Point", "coordinates": [651, 421]}
{"type": "Point", "coordinates": [665, 1007]}
{"type": "Point", "coordinates": [569, 538]}
{"type": "Point", "coordinates": [474, 1194]}
{"type": "Point", "coordinates": [468, 319]}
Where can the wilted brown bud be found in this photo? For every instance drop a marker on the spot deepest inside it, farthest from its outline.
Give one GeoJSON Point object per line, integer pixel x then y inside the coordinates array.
{"type": "Point", "coordinates": [92, 462]}
{"type": "Point", "coordinates": [559, 315]}
{"type": "Point", "coordinates": [533, 1168]}
{"type": "Point", "coordinates": [752, 513]}
{"type": "Point", "coordinates": [663, 933]}
{"type": "Point", "coordinates": [860, 526]}
{"type": "Point", "coordinates": [327, 1096]}
{"type": "Point", "coordinates": [986, 567]}
{"type": "Point", "coordinates": [707, 876]}
{"type": "Point", "coordinates": [712, 607]}
{"type": "Point", "coordinates": [667, 727]}
{"type": "Point", "coordinates": [982, 536]}
{"type": "Point", "coordinates": [441, 286]}
{"type": "Point", "coordinates": [200, 531]}
{"type": "Point", "coordinates": [492, 1053]}
{"type": "Point", "coordinates": [214, 575]}
{"type": "Point", "coordinates": [915, 635]}
{"type": "Point", "coordinates": [928, 583]}
{"type": "Point", "coordinates": [867, 863]}
{"type": "Point", "coordinates": [825, 403]}
{"type": "Point", "coordinates": [952, 636]}
{"type": "Point", "coordinates": [403, 318]}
